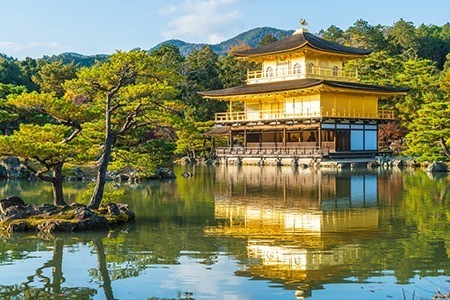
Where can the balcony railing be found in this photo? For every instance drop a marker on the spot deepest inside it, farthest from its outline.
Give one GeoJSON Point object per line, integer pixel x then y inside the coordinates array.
{"type": "Point", "coordinates": [283, 73]}
{"type": "Point", "coordinates": [298, 151]}
{"type": "Point", "coordinates": [279, 115]}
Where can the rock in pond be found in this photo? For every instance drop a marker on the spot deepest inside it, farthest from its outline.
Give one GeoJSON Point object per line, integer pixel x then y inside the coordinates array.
{"type": "Point", "coordinates": [16, 216]}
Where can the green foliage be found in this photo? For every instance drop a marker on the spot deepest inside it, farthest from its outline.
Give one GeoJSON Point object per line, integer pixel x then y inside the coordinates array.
{"type": "Point", "coordinates": [403, 39]}
{"type": "Point", "coordinates": [144, 158]}
{"type": "Point", "coordinates": [51, 77]}
{"type": "Point", "coordinates": [333, 33]}
{"type": "Point", "coordinates": [423, 78]}
{"type": "Point", "coordinates": [114, 193]}
{"type": "Point", "coordinates": [420, 75]}
{"type": "Point", "coordinates": [11, 73]}
{"type": "Point", "coordinates": [8, 113]}
{"type": "Point", "coordinates": [191, 140]}
{"type": "Point", "coordinates": [135, 93]}
{"type": "Point", "coordinates": [39, 142]}
{"type": "Point", "coordinates": [11, 89]}
{"type": "Point", "coordinates": [431, 124]}
{"type": "Point", "coordinates": [76, 59]}
{"type": "Point", "coordinates": [233, 72]}
{"type": "Point", "coordinates": [202, 70]}
{"type": "Point", "coordinates": [267, 39]}
{"type": "Point", "coordinates": [434, 42]}
{"type": "Point", "coordinates": [364, 35]}
{"type": "Point", "coordinates": [170, 56]}
{"type": "Point", "coordinates": [65, 110]}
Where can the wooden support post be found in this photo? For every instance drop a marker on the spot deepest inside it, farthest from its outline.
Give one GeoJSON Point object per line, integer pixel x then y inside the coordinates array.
{"type": "Point", "coordinates": [245, 137]}
{"type": "Point", "coordinates": [319, 136]}
{"type": "Point", "coordinates": [260, 138]}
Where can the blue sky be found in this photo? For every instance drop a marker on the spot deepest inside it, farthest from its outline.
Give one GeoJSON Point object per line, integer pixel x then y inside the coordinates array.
{"type": "Point", "coordinates": [44, 27]}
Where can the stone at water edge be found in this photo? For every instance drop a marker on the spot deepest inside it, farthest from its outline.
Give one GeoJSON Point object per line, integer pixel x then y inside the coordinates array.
{"type": "Point", "coordinates": [437, 167]}
{"type": "Point", "coordinates": [11, 201]}
{"type": "Point", "coordinates": [164, 173]}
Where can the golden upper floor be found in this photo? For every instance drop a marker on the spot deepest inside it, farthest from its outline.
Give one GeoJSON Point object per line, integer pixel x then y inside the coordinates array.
{"type": "Point", "coordinates": [302, 55]}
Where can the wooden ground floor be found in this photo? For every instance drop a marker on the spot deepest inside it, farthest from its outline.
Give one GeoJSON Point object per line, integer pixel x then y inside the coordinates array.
{"type": "Point", "coordinates": [320, 139]}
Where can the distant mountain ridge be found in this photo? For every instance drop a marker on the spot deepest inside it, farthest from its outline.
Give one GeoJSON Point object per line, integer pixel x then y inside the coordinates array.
{"type": "Point", "coordinates": [76, 58]}
{"type": "Point", "coordinates": [251, 37]}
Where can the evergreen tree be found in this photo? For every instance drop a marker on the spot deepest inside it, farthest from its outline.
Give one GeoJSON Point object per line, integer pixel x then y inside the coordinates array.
{"type": "Point", "coordinates": [51, 76]}
{"type": "Point", "coordinates": [133, 91]}
{"type": "Point", "coordinates": [44, 149]}
{"type": "Point", "coordinates": [429, 134]}
{"type": "Point", "coordinates": [202, 70]}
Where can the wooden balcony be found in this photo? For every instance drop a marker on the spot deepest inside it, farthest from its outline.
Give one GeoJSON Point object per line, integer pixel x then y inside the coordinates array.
{"type": "Point", "coordinates": [260, 76]}
{"type": "Point", "coordinates": [273, 151]}
{"type": "Point", "coordinates": [280, 115]}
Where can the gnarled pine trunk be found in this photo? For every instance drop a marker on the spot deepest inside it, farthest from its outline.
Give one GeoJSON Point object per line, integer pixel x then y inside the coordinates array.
{"type": "Point", "coordinates": [99, 189]}
{"type": "Point", "coordinates": [57, 185]}
{"type": "Point", "coordinates": [444, 147]}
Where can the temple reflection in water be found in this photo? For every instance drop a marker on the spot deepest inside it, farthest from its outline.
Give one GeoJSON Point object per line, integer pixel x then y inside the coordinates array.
{"type": "Point", "coordinates": [301, 226]}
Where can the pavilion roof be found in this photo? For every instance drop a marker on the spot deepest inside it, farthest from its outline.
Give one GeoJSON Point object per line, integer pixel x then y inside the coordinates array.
{"type": "Point", "coordinates": [299, 40]}
{"type": "Point", "coordinates": [286, 85]}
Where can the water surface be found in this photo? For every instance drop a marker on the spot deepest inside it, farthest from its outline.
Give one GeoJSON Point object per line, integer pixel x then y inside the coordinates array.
{"type": "Point", "coordinates": [246, 233]}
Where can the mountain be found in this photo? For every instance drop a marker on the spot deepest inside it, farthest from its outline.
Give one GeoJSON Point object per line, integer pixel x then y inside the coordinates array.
{"type": "Point", "coordinates": [76, 58]}
{"type": "Point", "coordinates": [251, 38]}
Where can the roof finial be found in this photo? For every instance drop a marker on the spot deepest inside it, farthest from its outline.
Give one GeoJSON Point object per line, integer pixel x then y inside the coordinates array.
{"type": "Point", "coordinates": [303, 22]}
{"type": "Point", "coordinates": [302, 28]}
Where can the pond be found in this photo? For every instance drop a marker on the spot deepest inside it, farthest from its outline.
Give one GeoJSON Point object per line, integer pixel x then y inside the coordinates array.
{"type": "Point", "coordinates": [232, 232]}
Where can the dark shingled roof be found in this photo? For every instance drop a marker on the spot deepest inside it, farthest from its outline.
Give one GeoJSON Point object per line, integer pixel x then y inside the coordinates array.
{"type": "Point", "coordinates": [216, 131]}
{"type": "Point", "coordinates": [298, 41]}
{"type": "Point", "coordinates": [286, 85]}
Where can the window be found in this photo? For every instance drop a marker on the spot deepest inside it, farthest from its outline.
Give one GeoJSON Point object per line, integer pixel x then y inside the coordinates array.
{"type": "Point", "coordinates": [335, 71]}
{"type": "Point", "coordinates": [297, 69]}
{"type": "Point", "coordinates": [269, 72]}
{"type": "Point", "coordinates": [370, 141]}
{"type": "Point", "coordinates": [282, 68]}
{"type": "Point", "coordinates": [357, 140]}
{"type": "Point", "coordinates": [311, 68]}
{"type": "Point", "coordinates": [327, 135]}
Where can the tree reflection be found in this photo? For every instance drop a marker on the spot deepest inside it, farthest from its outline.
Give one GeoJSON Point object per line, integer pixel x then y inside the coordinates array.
{"type": "Point", "coordinates": [52, 286]}
{"type": "Point", "coordinates": [101, 257]}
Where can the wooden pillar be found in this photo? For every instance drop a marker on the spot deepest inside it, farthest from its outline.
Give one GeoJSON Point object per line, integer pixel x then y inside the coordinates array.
{"type": "Point", "coordinates": [299, 136]}
{"type": "Point", "coordinates": [284, 137]}
{"type": "Point", "coordinates": [319, 136]}
{"type": "Point", "coordinates": [245, 137]}
{"type": "Point", "coordinates": [335, 138]}
{"type": "Point", "coordinates": [230, 139]}
{"type": "Point", "coordinates": [260, 138]}
{"type": "Point", "coordinates": [275, 138]}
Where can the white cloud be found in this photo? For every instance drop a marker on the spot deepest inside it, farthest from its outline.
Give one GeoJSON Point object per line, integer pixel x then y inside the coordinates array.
{"type": "Point", "coordinates": [209, 21]}
{"type": "Point", "coordinates": [33, 49]}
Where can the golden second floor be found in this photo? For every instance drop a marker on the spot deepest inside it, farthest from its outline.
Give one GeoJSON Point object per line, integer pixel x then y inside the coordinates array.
{"type": "Point", "coordinates": [300, 66]}
{"type": "Point", "coordinates": [320, 105]}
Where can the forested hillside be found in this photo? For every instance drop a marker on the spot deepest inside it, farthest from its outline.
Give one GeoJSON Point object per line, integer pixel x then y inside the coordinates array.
{"type": "Point", "coordinates": [250, 38]}
{"type": "Point", "coordinates": [403, 55]}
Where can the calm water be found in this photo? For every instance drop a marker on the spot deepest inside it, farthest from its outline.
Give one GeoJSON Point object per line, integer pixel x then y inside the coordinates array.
{"type": "Point", "coordinates": [246, 233]}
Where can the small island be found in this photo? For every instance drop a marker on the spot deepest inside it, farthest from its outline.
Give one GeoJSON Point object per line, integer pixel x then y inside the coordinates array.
{"type": "Point", "coordinates": [17, 216]}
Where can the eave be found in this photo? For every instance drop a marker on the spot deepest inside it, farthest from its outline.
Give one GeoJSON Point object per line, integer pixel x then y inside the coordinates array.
{"type": "Point", "coordinates": [299, 87]}
{"type": "Point", "coordinates": [304, 49]}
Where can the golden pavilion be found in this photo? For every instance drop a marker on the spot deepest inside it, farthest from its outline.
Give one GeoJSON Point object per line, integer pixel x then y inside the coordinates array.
{"type": "Point", "coordinates": [302, 103]}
